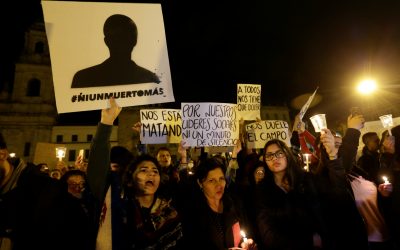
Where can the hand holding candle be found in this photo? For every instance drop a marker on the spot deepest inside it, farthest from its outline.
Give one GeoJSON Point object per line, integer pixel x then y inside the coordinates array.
{"type": "Point", "coordinates": [319, 122]}
{"type": "Point", "coordinates": [386, 188]}
{"type": "Point", "coordinates": [247, 243]}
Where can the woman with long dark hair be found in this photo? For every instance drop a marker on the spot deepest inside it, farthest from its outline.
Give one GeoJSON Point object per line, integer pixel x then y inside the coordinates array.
{"type": "Point", "coordinates": [212, 220]}
{"type": "Point", "coordinates": [287, 201]}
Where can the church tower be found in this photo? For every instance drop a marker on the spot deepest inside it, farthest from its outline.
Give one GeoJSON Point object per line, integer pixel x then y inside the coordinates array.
{"type": "Point", "coordinates": [27, 107]}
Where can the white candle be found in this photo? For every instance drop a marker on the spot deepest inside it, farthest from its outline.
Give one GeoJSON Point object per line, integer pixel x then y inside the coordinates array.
{"type": "Point", "coordinates": [60, 152]}
{"type": "Point", "coordinates": [244, 236]}
{"type": "Point", "coordinates": [307, 162]}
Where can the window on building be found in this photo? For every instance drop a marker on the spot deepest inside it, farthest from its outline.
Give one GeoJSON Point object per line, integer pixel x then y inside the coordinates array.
{"type": "Point", "coordinates": [27, 149]}
{"type": "Point", "coordinates": [276, 116]}
{"type": "Point", "coordinates": [59, 138]}
{"type": "Point", "coordinates": [33, 88]}
{"type": "Point", "coordinates": [39, 47]}
{"type": "Point", "coordinates": [72, 155]}
{"type": "Point", "coordinates": [74, 138]}
{"type": "Point", "coordinates": [89, 138]}
{"type": "Point", "coordinates": [87, 151]}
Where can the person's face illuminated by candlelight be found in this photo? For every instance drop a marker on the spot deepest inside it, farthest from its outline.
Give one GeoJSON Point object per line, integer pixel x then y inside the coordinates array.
{"type": "Point", "coordinates": [259, 174]}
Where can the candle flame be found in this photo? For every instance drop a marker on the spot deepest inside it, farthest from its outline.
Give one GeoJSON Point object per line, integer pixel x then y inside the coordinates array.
{"type": "Point", "coordinates": [385, 179]}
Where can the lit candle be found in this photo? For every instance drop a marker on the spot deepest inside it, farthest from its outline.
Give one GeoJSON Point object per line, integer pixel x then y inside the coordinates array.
{"type": "Point", "coordinates": [60, 152]}
{"type": "Point", "coordinates": [244, 236]}
{"type": "Point", "coordinates": [12, 155]}
{"type": "Point", "coordinates": [307, 162]}
{"type": "Point", "coordinates": [385, 179]}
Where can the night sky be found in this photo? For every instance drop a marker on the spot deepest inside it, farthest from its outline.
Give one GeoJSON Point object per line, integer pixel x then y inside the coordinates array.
{"type": "Point", "coordinates": [290, 48]}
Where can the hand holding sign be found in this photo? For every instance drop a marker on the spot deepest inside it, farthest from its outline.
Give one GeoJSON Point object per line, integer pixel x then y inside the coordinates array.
{"type": "Point", "coordinates": [136, 127]}
{"type": "Point", "coordinates": [109, 115]}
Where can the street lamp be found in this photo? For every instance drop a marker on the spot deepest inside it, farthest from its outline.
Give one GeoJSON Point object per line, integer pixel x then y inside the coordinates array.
{"type": "Point", "coordinates": [366, 86]}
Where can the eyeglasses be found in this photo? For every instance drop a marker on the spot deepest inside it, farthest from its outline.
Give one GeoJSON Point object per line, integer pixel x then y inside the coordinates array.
{"type": "Point", "coordinates": [278, 154]}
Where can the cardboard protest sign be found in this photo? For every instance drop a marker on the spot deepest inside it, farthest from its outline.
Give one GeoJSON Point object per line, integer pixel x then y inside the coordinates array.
{"type": "Point", "coordinates": [217, 150]}
{"type": "Point", "coordinates": [87, 42]}
{"type": "Point", "coordinates": [160, 126]}
{"type": "Point", "coordinates": [209, 124]}
{"type": "Point", "coordinates": [248, 101]}
{"type": "Point", "coordinates": [258, 133]}
{"type": "Point", "coordinates": [307, 104]}
{"type": "Point", "coordinates": [374, 126]}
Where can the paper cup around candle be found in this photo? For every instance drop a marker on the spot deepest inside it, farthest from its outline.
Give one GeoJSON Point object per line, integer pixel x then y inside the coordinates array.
{"type": "Point", "coordinates": [319, 122]}
{"type": "Point", "coordinates": [386, 120]}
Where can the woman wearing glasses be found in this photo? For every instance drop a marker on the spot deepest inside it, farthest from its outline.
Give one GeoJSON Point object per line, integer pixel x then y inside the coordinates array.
{"type": "Point", "coordinates": [287, 205]}
{"type": "Point", "coordinates": [212, 220]}
{"type": "Point", "coordinates": [80, 206]}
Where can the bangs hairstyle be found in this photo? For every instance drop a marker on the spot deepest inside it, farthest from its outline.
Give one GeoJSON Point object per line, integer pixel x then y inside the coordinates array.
{"type": "Point", "coordinates": [293, 169]}
{"type": "Point", "coordinates": [209, 165]}
{"type": "Point", "coordinates": [282, 145]}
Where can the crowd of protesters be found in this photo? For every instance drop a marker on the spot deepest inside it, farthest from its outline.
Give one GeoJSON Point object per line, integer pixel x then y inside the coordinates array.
{"type": "Point", "coordinates": [249, 199]}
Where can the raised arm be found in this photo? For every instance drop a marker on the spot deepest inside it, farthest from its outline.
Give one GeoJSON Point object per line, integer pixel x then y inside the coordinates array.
{"type": "Point", "coordinates": [99, 158]}
{"type": "Point", "coordinates": [348, 149]}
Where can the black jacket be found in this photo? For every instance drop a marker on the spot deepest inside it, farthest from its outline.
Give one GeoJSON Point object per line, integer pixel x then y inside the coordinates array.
{"type": "Point", "coordinates": [39, 214]}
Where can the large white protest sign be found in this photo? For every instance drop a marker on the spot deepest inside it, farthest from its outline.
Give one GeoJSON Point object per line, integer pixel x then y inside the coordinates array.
{"type": "Point", "coordinates": [248, 101]}
{"type": "Point", "coordinates": [88, 41]}
{"type": "Point", "coordinates": [160, 126]}
{"type": "Point", "coordinates": [218, 150]}
{"type": "Point", "coordinates": [258, 133]}
{"type": "Point", "coordinates": [209, 124]}
{"type": "Point", "coordinates": [374, 126]}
